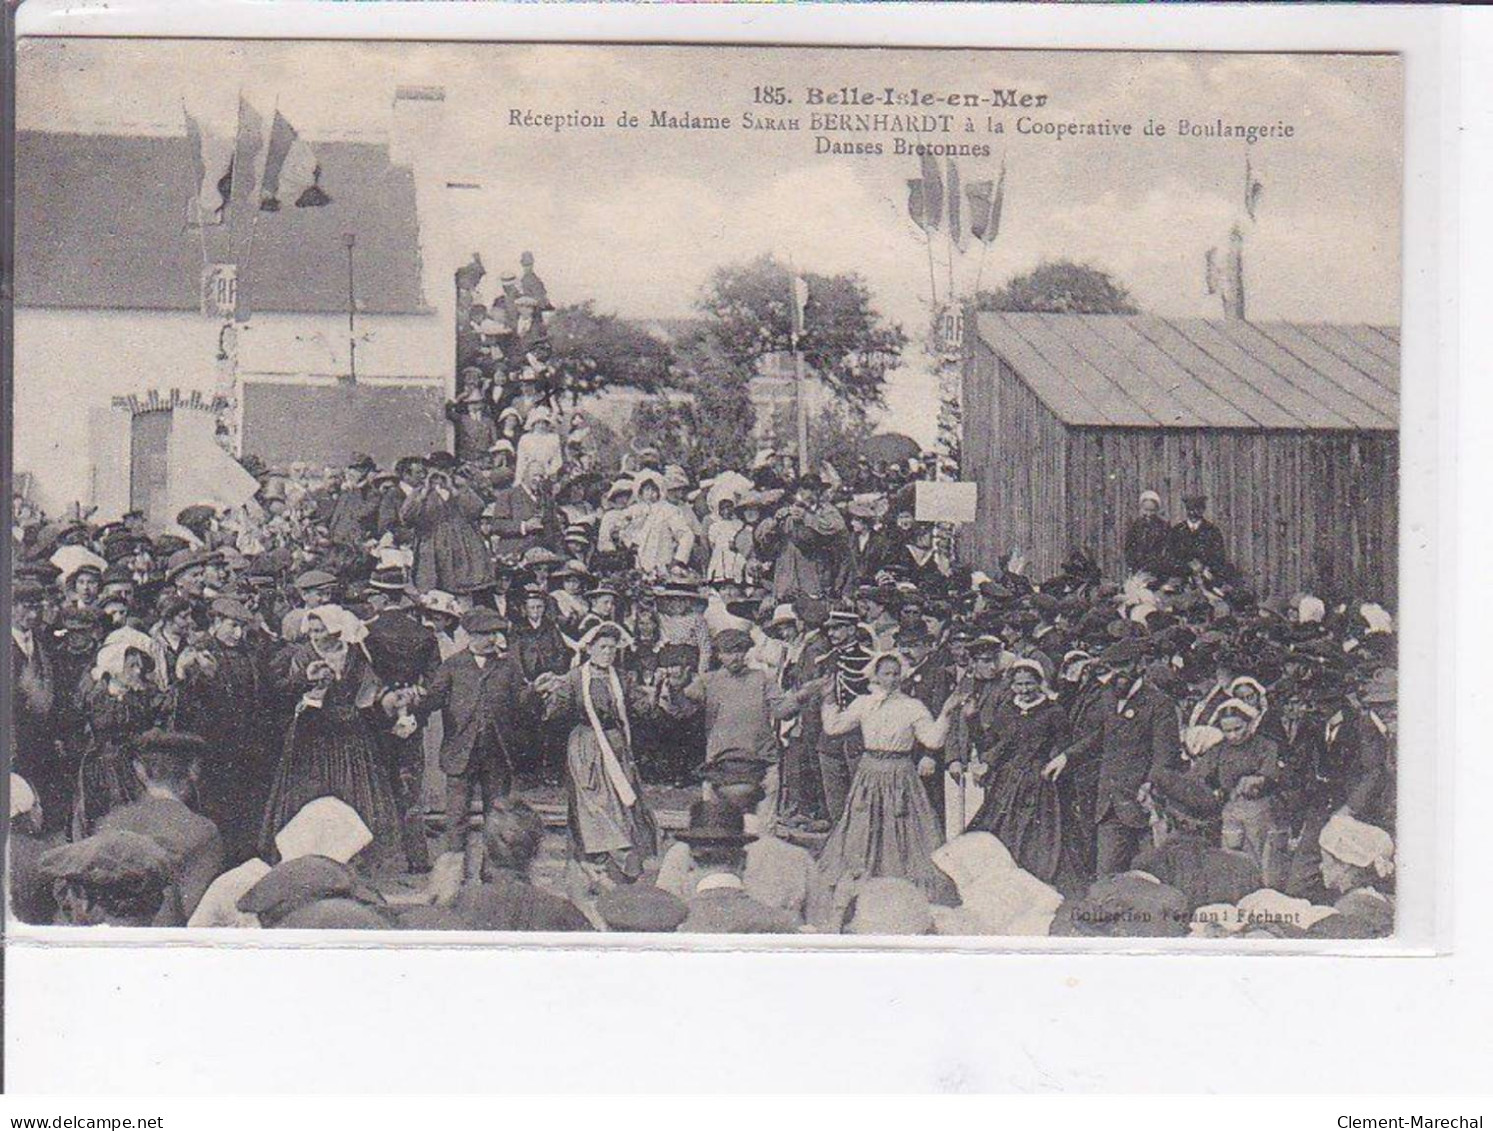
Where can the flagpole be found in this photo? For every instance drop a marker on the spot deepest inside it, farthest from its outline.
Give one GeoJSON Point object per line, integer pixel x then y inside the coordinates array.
{"type": "Point", "coordinates": [950, 296]}
{"type": "Point", "coordinates": [798, 317]}
{"type": "Point", "coordinates": [254, 187]}
{"type": "Point", "coordinates": [992, 217]}
{"type": "Point", "coordinates": [197, 196]}
{"type": "Point", "coordinates": [349, 240]}
{"type": "Point", "coordinates": [932, 284]}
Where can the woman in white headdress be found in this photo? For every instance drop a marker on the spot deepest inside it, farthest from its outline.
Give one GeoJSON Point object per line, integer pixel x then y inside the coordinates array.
{"type": "Point", "coordinates": [120, 703]}
{"type": "Point", "coordinates": [331, 745]}
{"type": "Point", "coordinates": [1022, 807]}
{"type": "Point", "coordinates": [1146, 539]}
{"type": "Point", "coordinates": [324, 827]}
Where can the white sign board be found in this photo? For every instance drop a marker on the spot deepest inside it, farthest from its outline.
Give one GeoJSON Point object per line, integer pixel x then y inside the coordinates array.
{"type": "Point", "coordinates": [945, 502]}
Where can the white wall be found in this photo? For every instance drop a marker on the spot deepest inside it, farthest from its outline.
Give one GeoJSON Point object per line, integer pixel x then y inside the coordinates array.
{"type": "Point", "coordinates": [389, 345]}
{"type": "Point", "coordinates": [68, 362]}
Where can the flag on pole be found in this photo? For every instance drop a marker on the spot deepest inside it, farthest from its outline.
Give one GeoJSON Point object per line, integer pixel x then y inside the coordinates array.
{"type": "Point", "coordinates": [290, 165]}
{"type": "Point", "coordinates": [800, 302]}
{"type": "Point", "coordinates": [932, 194]}
{"type": "Point", "coordinates": [916, 207]}
{"type": "Point", "coordinates": [248, 151]}
{"type": "Point", "coordinates": [1224, 274]}
{"type": "Point", "coordinates": [985, 201]}
{"type": "Point", "coordinates": [243, 200]}
{"type": "Point", "coordinates": [1252, 189]}
{"type": "Point", "coordinates": [956, 214]}
{"type": "Point", "coordinates": [212, 170]}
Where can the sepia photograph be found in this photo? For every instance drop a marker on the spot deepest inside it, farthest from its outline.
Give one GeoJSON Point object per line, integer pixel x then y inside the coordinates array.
{"type": "Point", "coordinates": [497, 490]}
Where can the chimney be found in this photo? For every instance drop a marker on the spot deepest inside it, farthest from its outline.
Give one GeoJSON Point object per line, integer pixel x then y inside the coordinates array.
{"type": "Point", "coordinates": [419, 115]}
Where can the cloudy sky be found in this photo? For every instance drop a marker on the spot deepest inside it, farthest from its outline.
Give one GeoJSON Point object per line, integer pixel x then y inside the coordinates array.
{"type": "Point", "coordinates": [637, 219]}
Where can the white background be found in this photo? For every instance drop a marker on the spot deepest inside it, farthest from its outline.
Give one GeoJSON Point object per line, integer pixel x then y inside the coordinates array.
{"type": "Point", "coordinates": [194, 1019]}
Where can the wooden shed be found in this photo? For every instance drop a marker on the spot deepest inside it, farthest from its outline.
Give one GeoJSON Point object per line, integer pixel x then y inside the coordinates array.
{"type": "Point", "coordinates": [1291, 430]}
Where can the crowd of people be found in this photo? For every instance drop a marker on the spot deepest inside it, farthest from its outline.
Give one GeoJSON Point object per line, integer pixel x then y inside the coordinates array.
{"type": "Point", "coordinates": [239, 720]}
{"type": "Point", "coordinates": [227, 722]}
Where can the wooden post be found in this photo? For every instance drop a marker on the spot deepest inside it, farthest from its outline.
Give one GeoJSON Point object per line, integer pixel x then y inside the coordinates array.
{"type": "Point", "coordinates": [802, 408]}
{"type": "Point", "coordinates": [349, 240]}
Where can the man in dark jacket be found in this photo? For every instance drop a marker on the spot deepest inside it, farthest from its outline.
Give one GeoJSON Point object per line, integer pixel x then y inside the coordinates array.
{"type": "Point", "coordinates": [33, 729]}
{"type": "Point", "coordinates": [1139, 733]}
{"type": "Point", "coordinates": [478, 691]}
{"type": "Point", "coordinates": [168, 765]}
{"type": "Point", "coordinates": [355, 513]}
{"type": "Point", "coordinates": [218, 696]}
{"type": "Point", "coordinates": [518, 518]}
{"type": "Point", "coordinates": [404, 653]}
{"type": "Point", "coordinates": [1195, 542]}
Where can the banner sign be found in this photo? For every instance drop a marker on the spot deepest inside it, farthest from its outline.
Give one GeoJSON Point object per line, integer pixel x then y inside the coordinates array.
{"type": "Point", "coordinates": [219, 290]}
{"type": "Point", "coordinates": [945, 502]}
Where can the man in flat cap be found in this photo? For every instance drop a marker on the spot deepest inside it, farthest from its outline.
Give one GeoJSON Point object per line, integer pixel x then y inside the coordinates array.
{"type": "Point", "coordinates": [114, 877]}
{"type": "Point", "coordinates": [640, 909]}
{"type": "Point", "coordinates": [169, 765]}
{"type": "Point", "coordinates": [742, 705]}
{"type": "Point", "coordinates": [478, 692]}
{"type": "Point", "coordinates": [1138, 732]}
{"type": "Point", "coordinates": [219, 697]}
{"type": "Point", "coordinates": [313, 587]}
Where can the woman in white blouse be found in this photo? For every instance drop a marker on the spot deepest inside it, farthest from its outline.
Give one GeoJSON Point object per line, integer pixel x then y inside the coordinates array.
{"type": "Point", "coordinates": [888, 827]}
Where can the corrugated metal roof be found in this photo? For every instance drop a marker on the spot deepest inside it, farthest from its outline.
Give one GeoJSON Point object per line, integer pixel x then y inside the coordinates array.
{"type": "Point", "coordinates": [101, 224]}
{"type": "Point", "coordinates": [1141, 371]}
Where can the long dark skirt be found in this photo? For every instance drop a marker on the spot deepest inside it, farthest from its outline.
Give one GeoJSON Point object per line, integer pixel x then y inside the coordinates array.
{"type": "Point", "coordinates": [325, 757]}
{"type": "Point", "coordinates": [1025, 813]}
{"type": "Point", "coordinates": [888, 828]}
{"type": "Point", "coordinates": [106, 780]}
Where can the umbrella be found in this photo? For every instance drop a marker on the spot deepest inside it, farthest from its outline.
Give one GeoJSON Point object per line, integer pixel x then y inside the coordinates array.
{"type": "Point", "coordinates": [893, 447]}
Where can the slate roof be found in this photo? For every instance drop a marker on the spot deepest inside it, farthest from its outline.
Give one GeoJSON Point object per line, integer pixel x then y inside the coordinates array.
{"type": "Point", "coordinates": [1141, 371]}
{"type": "Point", "coordinates": [102, 224]}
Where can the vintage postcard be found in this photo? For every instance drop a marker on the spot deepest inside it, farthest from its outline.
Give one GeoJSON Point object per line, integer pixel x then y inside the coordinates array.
{"type": "Point", "coordinates": [553, 489]}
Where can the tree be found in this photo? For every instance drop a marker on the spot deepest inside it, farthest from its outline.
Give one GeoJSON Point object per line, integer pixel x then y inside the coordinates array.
{"type": "Point", "coordinates": [711, 430]}
{"type": "Point", "coordinates": [845, 342]}
{"type": "Point", "coordinates": [592, 351]}
{"type": "Point", "coordinates": [1060, 287]}
{"type": "Point", "coordinates": [837, 436]}
{"type": "Point", "coordinates": [667, 424]}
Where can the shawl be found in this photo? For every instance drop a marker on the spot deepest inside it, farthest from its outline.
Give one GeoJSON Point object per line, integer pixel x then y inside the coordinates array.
{"type": "Point", "coordinates": [609, 761]}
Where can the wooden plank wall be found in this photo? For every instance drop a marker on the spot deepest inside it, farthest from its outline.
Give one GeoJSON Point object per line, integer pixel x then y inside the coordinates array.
{"type": "Point", "coordinates": [1015, 449]}
{"type": "Point", "coordinates": [1296, 507]}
